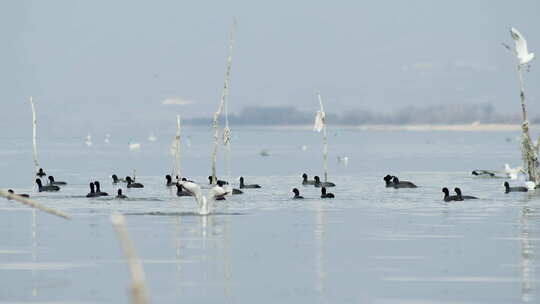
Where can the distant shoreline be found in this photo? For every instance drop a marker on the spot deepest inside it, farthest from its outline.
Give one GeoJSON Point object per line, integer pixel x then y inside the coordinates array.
{"type": "Point", "coordinates": [475, 127]}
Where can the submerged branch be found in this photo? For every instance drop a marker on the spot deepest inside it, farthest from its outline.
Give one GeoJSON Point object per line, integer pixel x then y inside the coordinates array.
{"type": "Point", "coordinates": [139, 294]}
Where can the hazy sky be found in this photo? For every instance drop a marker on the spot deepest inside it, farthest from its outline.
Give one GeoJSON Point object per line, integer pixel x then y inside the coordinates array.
{"type": "Point", "coordinates": [89, 63]}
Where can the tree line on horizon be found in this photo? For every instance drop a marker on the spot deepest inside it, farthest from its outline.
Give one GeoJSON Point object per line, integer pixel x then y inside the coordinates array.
{"type": "Point", "coordinates": [433, 114]}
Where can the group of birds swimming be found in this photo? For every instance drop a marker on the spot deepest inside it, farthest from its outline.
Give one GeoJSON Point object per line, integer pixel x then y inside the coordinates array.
{"type": "Point", "coordinates": [184, 187]}
{"type": "Point", "coordinates": [394, 182]}
{"type": "Point", "coordinates": [458, 197]}
{"type": "Point", "coordinates": [317, 183]}
{"type": "Point", "coordinates": [221, 188]}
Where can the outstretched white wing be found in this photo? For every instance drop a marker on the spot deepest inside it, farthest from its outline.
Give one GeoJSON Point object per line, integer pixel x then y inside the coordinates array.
{"type": "Point", "coordinates": [192, 188]}
{"type": "Point", "coordinates": [521, 43]}
{"type": "Point", "coordinates": [217, 192]}
{"type": "Point", "coordinates": [521, 47]}
{"type": "Point", "coordinates": [512, 173]}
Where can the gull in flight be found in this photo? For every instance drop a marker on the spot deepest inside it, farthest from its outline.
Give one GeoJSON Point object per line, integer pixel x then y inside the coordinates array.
{"type": "Point", "coordinates": [204, 202]}
{"type": "Point", "coordinates": [512, 173]}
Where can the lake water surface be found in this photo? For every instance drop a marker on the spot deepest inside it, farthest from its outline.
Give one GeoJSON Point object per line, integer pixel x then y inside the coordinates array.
{"type": "Point", "coordinates": [368, 245]}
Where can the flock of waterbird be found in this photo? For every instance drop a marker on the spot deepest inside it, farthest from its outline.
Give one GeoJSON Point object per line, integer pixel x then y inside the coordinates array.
{"type": "Point", "coordinates": [184, 187]}
{"type": "Point", "coordinates": [221, 189]}
{"type": "Point", "coordinates": [511, 173]}
{"type": "Point", "coordinates": [394, 182]}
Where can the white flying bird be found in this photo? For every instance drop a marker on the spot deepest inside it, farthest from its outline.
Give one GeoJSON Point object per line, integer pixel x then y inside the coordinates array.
{"type": "Point", "coordinates": [203, 202]}
{"type": "Point", "coordinates": [521, 51]}
{"type": "Point", "coordinates": [512, 173]}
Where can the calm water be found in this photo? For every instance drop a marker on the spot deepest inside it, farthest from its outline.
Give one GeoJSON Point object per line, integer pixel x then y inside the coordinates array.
{"type": "Point", "coordinates": [369, 245]}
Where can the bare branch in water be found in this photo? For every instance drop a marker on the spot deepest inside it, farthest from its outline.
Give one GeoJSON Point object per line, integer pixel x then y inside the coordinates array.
{"type": "Point", "coordinates": [34, 134]}
{"type": "Point", "coordinates": [34, 204]}
{"type": "Point", "coordinates": [222, 101]}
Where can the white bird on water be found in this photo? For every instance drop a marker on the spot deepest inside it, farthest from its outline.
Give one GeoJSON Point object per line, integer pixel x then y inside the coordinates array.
{"type": "Point", "coordinates": [521, 51]}
{"type": "Point", "coordinates": [152, 137]}
{"type": "Point", "coordinates": [88, 140]}
{"type": "Point", "coordinates": [204, 203]}
{"type": "Point", "coordinates": [530, 185]}
{"type": "Point", "coordinates": [134, 146]}
{"type": "Point", "coordinates": [344, 160]}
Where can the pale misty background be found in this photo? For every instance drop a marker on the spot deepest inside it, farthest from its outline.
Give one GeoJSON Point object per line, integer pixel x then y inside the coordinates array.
{"type": "Point", "coordinates": [106, 66]}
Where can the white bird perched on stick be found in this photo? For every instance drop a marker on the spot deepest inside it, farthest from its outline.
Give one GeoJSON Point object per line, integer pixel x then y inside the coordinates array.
{"type": "Point", "coordinates": [529, 151]}
{"type": "Point", "coordinates": [521, 51]}
{"type": "Point", "coordinates": [319, 120]}
{"type": "Point", "coordinates": [204, 202]}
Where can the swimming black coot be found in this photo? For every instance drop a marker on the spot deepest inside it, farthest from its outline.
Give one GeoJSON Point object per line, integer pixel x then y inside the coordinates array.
{"type": "Point", "coordinates": [92, 192]}
{"type": "Point", "coordinates": [296, 194]}
{"type": "Point", "coordinates": [305, 180]}
{"type": "Point", "coordinates": [131, 184]}
{"type": "Point", "coordinates": [120, 195]}
{"type": "Point", "coordinates": [388, 180]}
{"type": "Point", "coordinates": [55, 183]}
{"type": "Point", "coordinates": [218, 181]}
{"type": "Point", "coordinates": [168, 178]}
{"type": "Point", "coordinates": [48, 188]}
{"type": "Point", "coordinates": [252, 186]}
{"type": "Point", "coordinates": [98, 189]}
{"type": "Point", "coordinates": [461, 197]}
{"type": "Point", "coordinates": [483, 173]}
{"type": "Point", "coordinates": [319, 184]}
{"type": "Point", "coordinates": [507, 188]}
{"type": "Point", "coordinates": [447, 196]}
{"type": "Point", "coordinates": [401, 184]}
{"type": "Point", "coordinates": [324, 194]}
{"type": "Point", "coordinates": [116, 180]}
